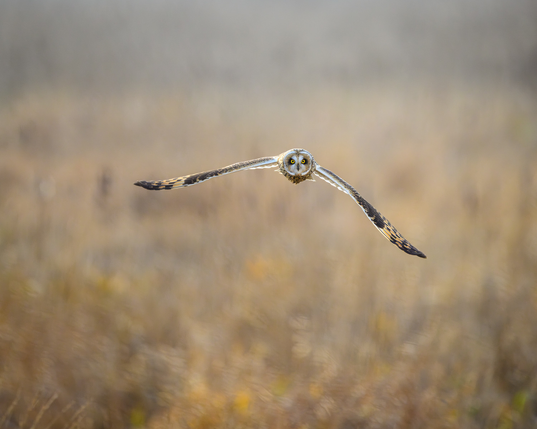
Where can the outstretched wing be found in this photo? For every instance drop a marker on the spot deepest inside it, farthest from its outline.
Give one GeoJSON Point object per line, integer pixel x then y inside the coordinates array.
{"type": "Point", "coordinates": [194, 179]}
{"type": "Point", "coordinates": [382, 224]}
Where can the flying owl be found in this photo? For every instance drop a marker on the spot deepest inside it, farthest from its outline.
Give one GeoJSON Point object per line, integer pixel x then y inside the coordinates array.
{"type": "Point", "coordinates": [297, 165]}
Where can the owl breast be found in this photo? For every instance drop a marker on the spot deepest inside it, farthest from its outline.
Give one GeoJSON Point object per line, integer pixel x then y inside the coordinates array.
{"type": "Point", "coordinates": [295, 179]}
{"type": "Point", "coordinates": [297, 165]}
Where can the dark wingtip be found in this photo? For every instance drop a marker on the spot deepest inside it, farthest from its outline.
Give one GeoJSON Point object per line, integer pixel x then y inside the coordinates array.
{"type": "Point", "coordinates": [418, 253]}
{"type": "Point", "coordinates": [143, 184]}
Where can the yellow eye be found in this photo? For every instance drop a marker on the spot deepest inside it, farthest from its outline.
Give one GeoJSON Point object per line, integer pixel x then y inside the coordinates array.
{"type": "Point", "coordinates": [291, 161]}
{"type": "Point", "coordinates": [304, 160]}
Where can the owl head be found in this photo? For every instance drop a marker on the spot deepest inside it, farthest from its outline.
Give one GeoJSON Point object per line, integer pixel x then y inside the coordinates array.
{"type": "Point", "coordinates": [297, 165]}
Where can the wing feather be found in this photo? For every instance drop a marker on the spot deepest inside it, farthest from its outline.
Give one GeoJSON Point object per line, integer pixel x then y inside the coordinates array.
{"type": "Point", "coordinates": [194, 179]}
{"type": "Point", "coordinates": [380, 222]}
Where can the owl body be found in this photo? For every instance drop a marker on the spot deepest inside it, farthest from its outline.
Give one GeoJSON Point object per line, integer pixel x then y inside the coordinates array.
{"type": "Point", "coordinates": [297, 165]}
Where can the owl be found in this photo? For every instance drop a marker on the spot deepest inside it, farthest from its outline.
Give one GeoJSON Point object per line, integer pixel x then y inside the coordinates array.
{"type": "Point", "coordinates": [297, 165]}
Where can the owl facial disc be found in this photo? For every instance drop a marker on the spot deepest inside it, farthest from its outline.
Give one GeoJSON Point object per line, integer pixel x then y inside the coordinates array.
{"type": "Point", "coordinates": [298, 163]}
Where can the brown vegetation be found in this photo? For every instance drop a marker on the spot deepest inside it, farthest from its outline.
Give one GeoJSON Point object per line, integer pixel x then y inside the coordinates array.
{"type": "Point", "coordinates": [248, 302]}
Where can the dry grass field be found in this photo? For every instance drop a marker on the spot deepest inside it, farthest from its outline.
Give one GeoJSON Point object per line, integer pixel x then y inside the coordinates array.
{"type": "Point", "coordinates": [248, 302]}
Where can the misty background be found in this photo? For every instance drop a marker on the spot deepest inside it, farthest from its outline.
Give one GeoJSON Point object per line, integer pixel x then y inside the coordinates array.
{"type": "Point", "coordinates": [160, 45]}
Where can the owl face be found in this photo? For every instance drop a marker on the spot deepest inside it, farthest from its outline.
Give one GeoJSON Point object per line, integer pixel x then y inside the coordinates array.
{"type": "Point", "coordinates": [297, 165]}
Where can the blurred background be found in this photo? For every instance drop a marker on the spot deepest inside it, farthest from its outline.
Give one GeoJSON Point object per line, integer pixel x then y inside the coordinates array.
{"type": "Point", "coordinates": [246, 301]}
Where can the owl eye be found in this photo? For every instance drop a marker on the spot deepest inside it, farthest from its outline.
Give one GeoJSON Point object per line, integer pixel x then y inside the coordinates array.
{"type": "Point", "coordinates": [304, 161]}
{"type": "Point", "coordinates": [291, 161]}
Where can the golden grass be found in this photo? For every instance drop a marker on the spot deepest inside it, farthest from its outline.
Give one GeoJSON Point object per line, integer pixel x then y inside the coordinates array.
{"type": "Point", "coordinates": [248, 302]}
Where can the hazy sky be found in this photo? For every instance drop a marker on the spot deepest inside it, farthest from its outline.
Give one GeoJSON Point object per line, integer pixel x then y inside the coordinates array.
{"type": "Point", "coordinates": [118, 43]}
